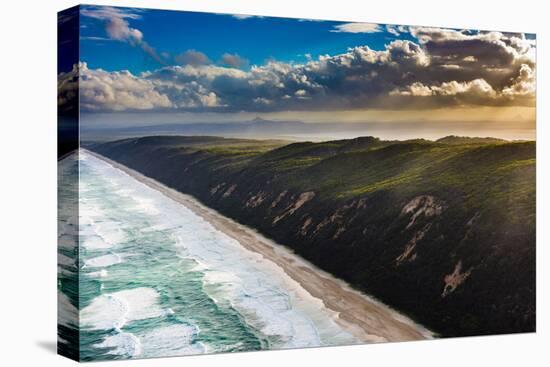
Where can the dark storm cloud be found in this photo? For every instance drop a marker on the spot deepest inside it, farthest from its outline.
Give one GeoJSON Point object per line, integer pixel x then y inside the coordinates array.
{"type": "Point", "coordinates": [493, 56]}
{"type": "Point", "coordinates": [442, 68]}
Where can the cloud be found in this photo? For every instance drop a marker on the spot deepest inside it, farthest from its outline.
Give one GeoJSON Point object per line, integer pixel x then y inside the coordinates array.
{"type": "Point", "coordinates": [192, 57]}
{"type": "Point", "coordinates": [245, 16]}
{"type": "Point", "coordinates": [118, 28]}
{"type": "Point", "coordinates": [443, 68]}
{"type": "Point", "coordinates": [101, 90]}
{"type": "Point", "coordinates": [477, 91]}
{"type": "Point", "coordinates": [491, 49]}
{"type": "Point", "coordinates": [94, 38]}
{"type": "Point", "coordinates": [357, 28]}
{"type": "Point", "coordinates": [233, 60]}
{"type": "Point", "coordinates": [67, 89]}
{"type": "Point", "coordinates": [496, 57]}
{"type": "Point", "coordinates": [107, 12]}
{"type": "Point", "coordinates": [524, 85]}
{"type": "Point", "coordinates": [392, 29]}
{"type": "Point", "coordinates": [396, 30]}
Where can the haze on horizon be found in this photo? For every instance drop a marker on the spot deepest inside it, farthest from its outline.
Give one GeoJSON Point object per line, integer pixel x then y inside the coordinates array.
{"type": "Point", "coordinates": [143, 67]}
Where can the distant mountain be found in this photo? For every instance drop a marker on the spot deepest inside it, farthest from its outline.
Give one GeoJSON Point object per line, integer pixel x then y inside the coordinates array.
{"type": "Point", "coordinates": [257, 127]}
{"type": "Point", "coordinates": [443, 231]}
{"type": "Point", "coordinates": [453, 139]}
{"type": "Point", "coordinates": [260, 128]}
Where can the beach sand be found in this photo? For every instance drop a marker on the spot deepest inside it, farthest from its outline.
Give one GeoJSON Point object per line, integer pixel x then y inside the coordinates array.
{"type": "Point", "coordinates": [366, 318]}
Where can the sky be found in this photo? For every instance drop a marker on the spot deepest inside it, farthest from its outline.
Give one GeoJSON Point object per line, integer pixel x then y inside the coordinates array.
{"type": "Point", "coordinates": [174, 66]}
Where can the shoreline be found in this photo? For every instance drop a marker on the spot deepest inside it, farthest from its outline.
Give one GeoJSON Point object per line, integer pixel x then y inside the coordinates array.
{"type": "Point", "coordinates": [364, 317]}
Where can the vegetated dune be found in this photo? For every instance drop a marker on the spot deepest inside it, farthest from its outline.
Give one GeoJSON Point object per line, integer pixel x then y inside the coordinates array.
{"type": "Point", "coordinates": [442, 231]}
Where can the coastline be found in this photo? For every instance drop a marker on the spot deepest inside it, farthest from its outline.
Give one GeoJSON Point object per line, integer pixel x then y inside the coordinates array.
{"type": "Point", "coordinates": [366, 318]}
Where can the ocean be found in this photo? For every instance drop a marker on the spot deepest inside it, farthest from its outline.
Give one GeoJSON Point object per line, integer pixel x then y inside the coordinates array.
{"type": "Point", "coordinates": [155, 279]}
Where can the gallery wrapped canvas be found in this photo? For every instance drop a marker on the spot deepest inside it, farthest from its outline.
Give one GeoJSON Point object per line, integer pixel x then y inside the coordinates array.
{"type": "Point", "coordinates": [239, 183]}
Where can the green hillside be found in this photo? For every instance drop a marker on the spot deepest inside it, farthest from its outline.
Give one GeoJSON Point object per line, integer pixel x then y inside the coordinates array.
{"type": "Point", "coordinates": [443, 231]}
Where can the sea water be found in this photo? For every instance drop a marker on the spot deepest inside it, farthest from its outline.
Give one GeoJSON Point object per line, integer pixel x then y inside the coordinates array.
{"type": "Point", "coordinates": [158, 280]}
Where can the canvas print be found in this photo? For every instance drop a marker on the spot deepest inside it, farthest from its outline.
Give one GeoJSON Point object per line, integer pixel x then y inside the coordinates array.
{"type": "Point", "coordinates": [235, 183]}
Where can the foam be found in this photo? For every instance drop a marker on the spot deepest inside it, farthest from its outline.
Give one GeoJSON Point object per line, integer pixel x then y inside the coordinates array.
{"type": "Point", "coordinates": [103, 261]}
{"type": "Point", "coordinates": [99, 274]}
{"type": "Point", "coordinates": [67, 242]}
{"type": "Point", "coordinates": [105, 312]}
{"type": "Point", "coordinates": [111, 232]}
{"type": "Point", "coordinates": [99, 235]}
{"type": "Point", "coordinates": [83, 156]}
{"type": "Point", "coordinates": [88, 211]}
{"type": "Point", "coordinates": [220, 278]}
{"type": "Point", "coordinates": [67, 209]}
{"type": "Point", "coordinates": [259, 290]}
{"type": "Point", "coordinates": [142, 303]}
{"type": "Point", "coordinates": [270, 300]}
{"type": "Point", "coordinates": [145, 205]}
{"type": "Point", "coordinates": [122, 344]}
{"type": "Point", "coordinates": [114, 310]}
{"type": "Point", "coordinates": [84, 187]}
{"type": "Point", "coordinates": [67, 226]}
{"type": "Point", "coordinates": [95, 242]}
{"type": "Point", "coordinates": [86, 229]}
{"type": "Point", "coordinates": [267, 298]}
{"type": "Point", "coordinates": [170, 340]}
{"type": "Point", "coordinates": [124, 192]}
{"type": "Point", "coordinates": [65, 260]}
{"type": "Point", "coordinates": [159, 228]}
{"type": "Point", "coordinates": [265, 307]}
{"type": "Point", "coordinates": [67, 314]}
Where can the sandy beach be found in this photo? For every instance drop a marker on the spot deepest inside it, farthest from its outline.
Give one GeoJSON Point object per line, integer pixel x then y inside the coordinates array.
{"type": "Point", "coordinates": [364, 317]}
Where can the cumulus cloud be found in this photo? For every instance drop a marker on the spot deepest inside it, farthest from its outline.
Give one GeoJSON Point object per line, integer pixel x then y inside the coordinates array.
{"type": "Point", "coordinates": [475, 92]}
{"type": "Point", "coordinates": [393, 30]}
{"type": "Point", "coordinates": [192, 57]}
{"type": "Point", "coordinates": [101, 90]}
{"type": "Point", "coordinates": [233, 60]}
{"type": "Point", "coordinates": [492, 49]}
{"type": "Point", "coordinates": [524, 85]}
{"type": "Point", "coordinates": [357, 28]}
{"type": "Point", "coordinates": [118, 28]}
{"type": "Point", "coordinates": [397, 30]}
{"type": "Point", "coordinates": [493, 56]}
{"type": "Point", "coordinates": [443, 68]}
{"type": "Point", "coordinates": [67, 89]}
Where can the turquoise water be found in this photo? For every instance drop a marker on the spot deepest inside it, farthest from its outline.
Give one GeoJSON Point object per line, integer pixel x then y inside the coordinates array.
{"type": "Point", "coordinates": [158, 280]}
{"type": "Point", "coordinates": [67, 257]}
